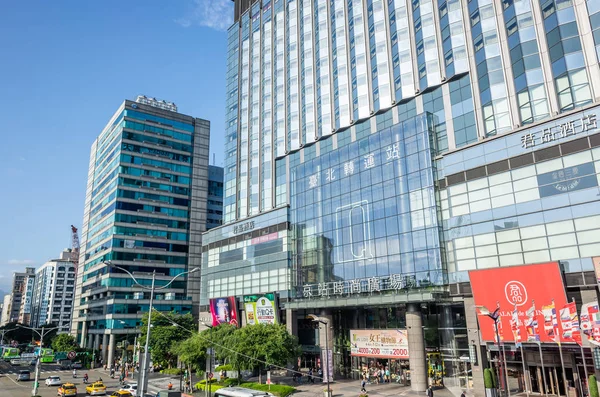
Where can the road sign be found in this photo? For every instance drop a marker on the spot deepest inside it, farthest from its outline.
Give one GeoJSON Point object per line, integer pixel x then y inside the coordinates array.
{"type": "Point", "coordinates": [210, 375]}
{"type": "Point", "coordinates": [14, 343]}
{"type": "Point", "coordinates": [71, 355]}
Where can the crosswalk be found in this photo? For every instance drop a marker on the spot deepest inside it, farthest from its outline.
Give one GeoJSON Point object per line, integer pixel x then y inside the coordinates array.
{"type": "Point", "coordinates": [45, 372]}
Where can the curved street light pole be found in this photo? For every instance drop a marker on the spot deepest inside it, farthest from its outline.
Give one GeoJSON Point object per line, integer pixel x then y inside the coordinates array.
{"type": "Point", "coordinates": [144, 371]}
{"type": "Point", "coordinates": [326, 373]}
{"type": "Point", "coordinates": [37, 361]}
{"type": "Point", "coordinates": [4, 332]}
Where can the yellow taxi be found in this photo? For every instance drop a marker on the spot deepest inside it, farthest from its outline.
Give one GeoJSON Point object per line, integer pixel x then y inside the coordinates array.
{"type": "Point", "coordinates": [67, 389]}
{"type": "Point", "coordinates": [96, 389]}
{"type": "Point", "coordinates": [121, 393]}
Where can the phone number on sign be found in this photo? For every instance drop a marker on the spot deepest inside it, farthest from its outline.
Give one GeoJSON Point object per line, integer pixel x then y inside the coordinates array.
{"type": "Point", "coordinates": [380, 352]}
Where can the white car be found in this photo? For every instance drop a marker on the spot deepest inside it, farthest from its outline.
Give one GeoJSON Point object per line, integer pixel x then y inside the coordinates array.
{"type": "Point", "coordinates": [130, 387]}
{"type": "Point", "coordinates": [53, 381]}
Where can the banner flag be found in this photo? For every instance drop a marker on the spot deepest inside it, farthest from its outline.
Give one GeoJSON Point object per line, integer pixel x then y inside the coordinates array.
{"type": "Point", "coordinates": [551, 322]}
{"type": "Point", "coordinates": [590, 322]}
{"type": "Point", "coordinates": [569, 320]}
{"type": "Point", "coordinates": [533, 331]}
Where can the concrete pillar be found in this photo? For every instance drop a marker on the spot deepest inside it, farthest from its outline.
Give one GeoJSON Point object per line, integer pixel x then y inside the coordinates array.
{"type": "Point", "coordinates": [291, 321]}
{"type": "Point", "coordinates": [473, 338]}
{"type": "Point", "coordinates": [96, 345]}
{"type": "Point", "coordinates": [90, 341]}
{"type": "Point", "coordinates": [104, 348]}
{"type": "Point", "coordinates": [416, 348]}
{"type": "Point", "coordinates": [83, 334]}
{"type": "Point", "coordinates": [111, 350]}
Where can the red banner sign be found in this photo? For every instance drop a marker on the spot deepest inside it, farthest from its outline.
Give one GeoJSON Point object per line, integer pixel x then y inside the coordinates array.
{"type": "Point", "coordinates": [517, 286]}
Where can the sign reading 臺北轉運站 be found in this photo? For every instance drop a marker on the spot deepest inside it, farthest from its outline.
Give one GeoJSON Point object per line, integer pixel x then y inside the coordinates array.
{"type": "Point", "coordinates": [381, 343]}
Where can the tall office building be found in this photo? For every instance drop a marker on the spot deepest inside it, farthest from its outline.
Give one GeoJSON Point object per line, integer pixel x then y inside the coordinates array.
{"type": "Point", "coordinates": [381, 155]}
{"type": "Point", "coordinates": [53, 292]}
{"type": "Point", "coordinates": [214, 210]}
{"type": "Point", "coordinates": [26, 300]}
{"type": "Point", "coordinates": [145, 211]}
{"type": "Point", "coordinates": [18, 297]}
{"type": "Point", "coordinates": [6, 302]}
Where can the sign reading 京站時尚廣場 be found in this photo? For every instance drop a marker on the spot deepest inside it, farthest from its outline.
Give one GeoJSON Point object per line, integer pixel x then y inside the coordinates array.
{"type": "Point", "coordinates": [380, 343]}
{"type": "Point", "coordinates": [260, 309]}
{"type": "Point", "coordinates": [557, 132]}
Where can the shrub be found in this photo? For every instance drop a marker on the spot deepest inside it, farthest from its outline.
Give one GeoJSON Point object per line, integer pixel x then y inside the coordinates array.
{"type": "Point", "coordinates": [213, 387]}
{"type": "Point", "coordinates": [213, 380]}
{"type": "Point", "coordinates": [488, 379]}
{"type": "Point", "coordinates": [171, 371]}
{"type": "Point", "coordinates": [593, 386]}
{"type": "Point", "coordinates": [226, 367]}
{"type": "Point", "coordinates": [363, 395]}
{"type": "Point", "coordinates": [278, 390]}
{"type": "Point", "coordinates": [231, 381]}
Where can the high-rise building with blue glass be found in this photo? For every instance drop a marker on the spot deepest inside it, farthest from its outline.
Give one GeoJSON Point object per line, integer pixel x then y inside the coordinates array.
{"type": "Point", "coordinates": [145, 210]}
{"type": "Point", "coordinates": [379, 151]}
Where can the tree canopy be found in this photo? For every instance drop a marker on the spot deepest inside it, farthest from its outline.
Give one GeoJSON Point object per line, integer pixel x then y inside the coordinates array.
{"type": "Point", "coordinates": [64, 343]}
{"type": "Point", "coordinates": [164, 335]}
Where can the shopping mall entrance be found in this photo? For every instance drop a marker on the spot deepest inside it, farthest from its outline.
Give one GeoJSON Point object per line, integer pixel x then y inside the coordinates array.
{"type": "Point", "coordinates": [543, 377]}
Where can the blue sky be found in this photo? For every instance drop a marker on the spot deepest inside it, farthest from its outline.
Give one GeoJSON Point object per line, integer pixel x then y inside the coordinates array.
{"type": "Point", "coordinates": [65, 67]}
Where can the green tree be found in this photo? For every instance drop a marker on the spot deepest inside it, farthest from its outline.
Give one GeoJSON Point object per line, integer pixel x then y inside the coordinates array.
{"type": "Point", "coordinates": [64, 343]}
{"type": "Point", "coordinates": [256, 344]}
{"type": "Point", "coordinates": [192, 352]}
{"type": "Point", "coordinates": [593, 386]}
{"type": "Point", "coordinates": [164, 335]}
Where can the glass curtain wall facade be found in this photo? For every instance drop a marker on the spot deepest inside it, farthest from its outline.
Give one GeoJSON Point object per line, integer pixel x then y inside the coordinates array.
{"type": "Point", "coordinates": [410, 141]}
{"type": "Point", "coordinates": [301, 70]}
{"type": "Point", "coordinates": [148, 172]}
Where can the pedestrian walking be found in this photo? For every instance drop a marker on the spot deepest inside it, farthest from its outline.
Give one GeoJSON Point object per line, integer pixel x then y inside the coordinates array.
{"type": "Point", "coordinates": [430, 392]}
{"type": "Point", "coordinates": [363, 383]}
{"type": "Point", "coordinates": [310, 376]}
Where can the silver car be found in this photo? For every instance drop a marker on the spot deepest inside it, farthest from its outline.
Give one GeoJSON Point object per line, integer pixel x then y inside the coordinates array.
{"type": "Point", "coordinates": [53, 381]}
{"type": "Point", "coordinates": [23, 375]}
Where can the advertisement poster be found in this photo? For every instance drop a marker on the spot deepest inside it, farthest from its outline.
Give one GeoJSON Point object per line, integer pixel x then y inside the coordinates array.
{"type": "Point", "coordinates": [380, 343]}
{"type": "Point", "coordinates": [260, 309]}
{"type": "Point", "coordinates": [519, 286]}
{"type": "Point", "coordinates": [596, 262]}
{"type": "Point", "coordinates": [223, 310]}
{"type": "Point", "coordinates": [327, 360]}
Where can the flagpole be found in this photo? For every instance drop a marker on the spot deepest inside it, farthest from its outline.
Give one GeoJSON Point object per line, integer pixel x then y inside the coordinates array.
{"type": "Point", "coordinates": [539, 343]}
{"type": "Point", "coordinates": [518, 342]}
{"type": "Point", "coordinates": [507, 386]}
{"type": "Point", "coordinates": [557, 339]}
{"type": "Point", "coordinates": [586, 382]}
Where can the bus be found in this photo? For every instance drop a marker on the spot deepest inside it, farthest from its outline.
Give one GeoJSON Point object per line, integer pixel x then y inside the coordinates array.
{"type": "Point", "coordinates": [46, 355]}
{"type": "Point", "coordinates": [9, 353]}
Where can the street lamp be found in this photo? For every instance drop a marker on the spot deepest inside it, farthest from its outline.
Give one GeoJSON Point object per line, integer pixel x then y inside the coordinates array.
{"type": "Point", "coordinates": [209, 361]}
{"type": "Point", "coordinates": [495, 315]}
{"type": "Point", "coordinates": [144, 370]}
{"type": "Point", "coordinates": [37, 362]}
{"type": "Point", "coordinates": [326, 373]}
{"type": "Point", "coordinates": [4, 331]}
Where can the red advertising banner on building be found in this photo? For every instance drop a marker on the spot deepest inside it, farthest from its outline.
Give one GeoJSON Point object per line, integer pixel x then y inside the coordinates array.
{"type": "Point", "coordinates": [224, 310]}
{"type": "Point", "coordinates": [517, 286]}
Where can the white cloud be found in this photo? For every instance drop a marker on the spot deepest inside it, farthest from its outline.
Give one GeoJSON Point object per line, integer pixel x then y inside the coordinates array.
{"type": "Point", "coordinates": [214, 14]}
{"type": "Point", "coordinates": [20, 262]}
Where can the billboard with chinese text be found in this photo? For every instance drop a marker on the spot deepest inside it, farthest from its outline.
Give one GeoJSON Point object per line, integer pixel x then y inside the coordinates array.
{"type": "Point", "coordinates": [379, 343]}
{"type": "Point", "coordinates": [260, 309]}
{"type": "Point", "coordinates": [520, 287]}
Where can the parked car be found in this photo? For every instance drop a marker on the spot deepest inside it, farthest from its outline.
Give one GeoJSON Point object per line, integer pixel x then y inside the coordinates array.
{"type": "Point", "coordinates": [53, 381]}
{"type": "Point", "coordinates": [65, 364]}
{"type": "Point", "coordinates": [15, 361]}
{"type": "Point", "coordinates": [68, 389]}
{"type": "Point", "coordinates": [23, 375]}
{"type": "Point", "coordinates": [96, 389]}
{"type": "Point", "coordinates": [130, 387]}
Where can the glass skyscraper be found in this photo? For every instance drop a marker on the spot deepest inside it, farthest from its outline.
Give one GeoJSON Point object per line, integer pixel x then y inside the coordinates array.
{"type": "Point", "coordinates": [145, 210]}
{"type": "Point", "coordinates": [378, 151]}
